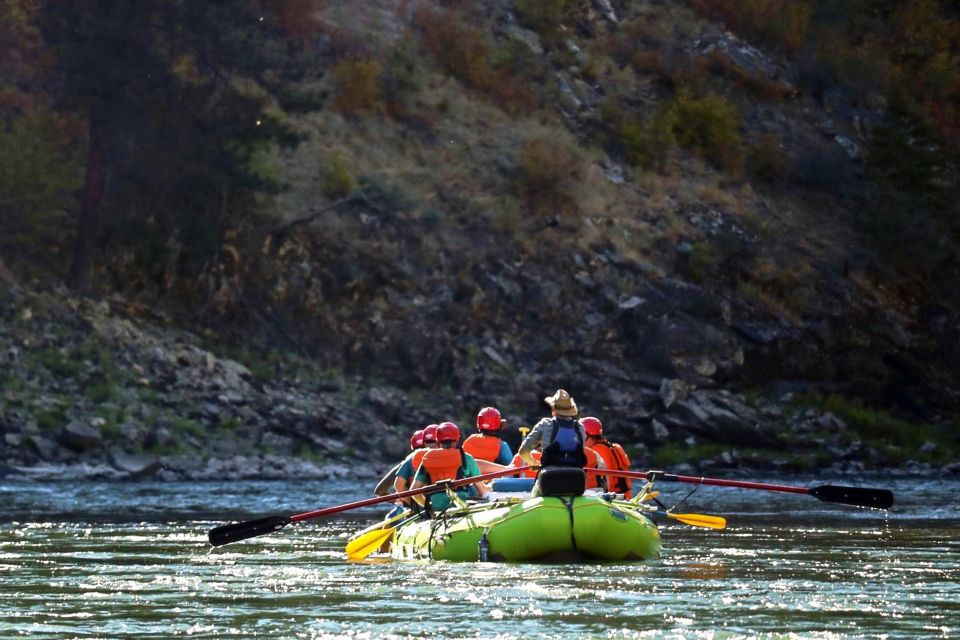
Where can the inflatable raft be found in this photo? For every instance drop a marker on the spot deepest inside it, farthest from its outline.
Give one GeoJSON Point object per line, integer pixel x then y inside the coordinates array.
{"type": "Point", "coordinates": [514, 527]}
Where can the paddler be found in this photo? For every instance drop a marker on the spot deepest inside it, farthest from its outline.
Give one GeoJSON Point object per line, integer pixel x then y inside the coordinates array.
{"type": "Point", "coordinates": [612, 453]}
{"type": "Point", "coordinates": [487, 444]}
{"type": "Point", "coordinates": [410, 464]}
{"type": "Point", "coordinates": [448, 462]}
{"type": "Point", "coordinates": [560, 437]}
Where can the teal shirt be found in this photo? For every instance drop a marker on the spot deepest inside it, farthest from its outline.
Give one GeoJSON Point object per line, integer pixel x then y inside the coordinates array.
{"type": "Point", "coordinates": [440, 501]}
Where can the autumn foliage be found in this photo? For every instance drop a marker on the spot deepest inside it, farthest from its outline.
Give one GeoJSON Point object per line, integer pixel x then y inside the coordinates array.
{"type": "Point", "coordinates": [870, 46]}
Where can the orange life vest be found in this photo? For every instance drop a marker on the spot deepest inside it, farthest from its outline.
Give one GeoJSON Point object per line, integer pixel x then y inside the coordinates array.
{"type": "Point", "coordinates": [483, 446]}
{"type": "Point", "coordinates": [518, 462]}
{"type": "Point", "coordinates": [615, 458]}
{"type": "Point", "coordinates": [442, 464]}
{"type": "Point", "coordinates": [593, 480]}
{"type": "Point", "coordinates": [416, 457]}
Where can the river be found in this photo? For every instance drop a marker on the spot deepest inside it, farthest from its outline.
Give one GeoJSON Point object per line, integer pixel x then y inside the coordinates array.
{"type": "Point", "coordinates": [109, 560]}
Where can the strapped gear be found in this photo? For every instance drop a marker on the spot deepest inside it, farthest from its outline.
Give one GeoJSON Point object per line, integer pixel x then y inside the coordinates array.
{"type": "Point", "coordinates": [563, 446]}
{"type": "Point", "coordinates": [489, 419]}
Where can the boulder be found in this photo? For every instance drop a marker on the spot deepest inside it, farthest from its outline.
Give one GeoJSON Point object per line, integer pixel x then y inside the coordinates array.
{"type": "Point", "coordinates": [80, 437]}
{"type": "Point", "coordinates": [136, 466]}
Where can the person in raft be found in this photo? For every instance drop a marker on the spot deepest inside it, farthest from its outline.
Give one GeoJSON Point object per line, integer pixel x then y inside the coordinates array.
{"type": "Point", "coordinates": [614, 457]}
{"type": "Point", "coordinates": [487, 444]}
{"type": "Point", "coordinates": [448, 462]}
{"type": "Point", "coordinates": [410, 464]}
{"type": "Point", "coordinates": [560, 437]}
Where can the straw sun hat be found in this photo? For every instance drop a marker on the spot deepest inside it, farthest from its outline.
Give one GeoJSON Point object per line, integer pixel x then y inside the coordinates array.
{"type": "Point", "coordinates": [562, 403]}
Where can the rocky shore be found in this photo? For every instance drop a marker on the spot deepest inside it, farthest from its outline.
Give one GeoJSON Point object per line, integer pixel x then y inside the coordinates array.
{"type": "Point", "coordinates": [114, 390]}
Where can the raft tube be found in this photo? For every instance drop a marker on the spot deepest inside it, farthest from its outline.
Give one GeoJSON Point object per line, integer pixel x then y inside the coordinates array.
{"type": "Point", "coordinates": [554, 529]}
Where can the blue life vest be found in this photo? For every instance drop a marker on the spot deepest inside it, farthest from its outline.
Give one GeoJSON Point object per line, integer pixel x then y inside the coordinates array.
{"type": "Point", "coordinates": [564, 447]}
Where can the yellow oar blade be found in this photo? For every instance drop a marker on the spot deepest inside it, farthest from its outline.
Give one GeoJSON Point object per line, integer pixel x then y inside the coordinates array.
{"type": "Point", "coordinates": [699, 520]}
{"type": "Point", "coordinates": [362, 546]}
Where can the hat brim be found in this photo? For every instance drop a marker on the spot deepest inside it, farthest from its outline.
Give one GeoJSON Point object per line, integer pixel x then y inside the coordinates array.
{"type": "Point", "coordinates": [569, 413]}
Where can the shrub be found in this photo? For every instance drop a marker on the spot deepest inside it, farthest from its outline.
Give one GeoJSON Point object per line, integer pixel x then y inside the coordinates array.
{"type": "Point", "coordinates": [465, 53]}
{"type": "Point", "coordinates": [40, 168]}
{"type": "Point", "coordinates": [709, 125]}
{"type": "Point", "coordinates": [357, 86]}
{"type": "Point", "coordinates": [543, 16]}
{"type": "Point", "coordinates": [767, 158]}
{"type": "Point", "coordinates": [548, 173]}
{"type": "Point", "coordinates": [462, 50]}
{"type": "Point", "coordinates": [338, 180]}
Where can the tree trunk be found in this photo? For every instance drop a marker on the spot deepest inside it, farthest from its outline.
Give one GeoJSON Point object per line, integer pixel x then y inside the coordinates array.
{"type": "Point", "coordinates": [80, 277]}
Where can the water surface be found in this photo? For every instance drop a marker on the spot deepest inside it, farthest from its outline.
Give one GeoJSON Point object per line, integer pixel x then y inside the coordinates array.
{"type": "Point", "coordinates": [106, 560]}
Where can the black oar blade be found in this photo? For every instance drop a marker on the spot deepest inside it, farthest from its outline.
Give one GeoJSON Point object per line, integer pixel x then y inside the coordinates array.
{"type": "Point", "coordinates": [242, 530]}
{"type": "Point", "coordinates": [856, 496]}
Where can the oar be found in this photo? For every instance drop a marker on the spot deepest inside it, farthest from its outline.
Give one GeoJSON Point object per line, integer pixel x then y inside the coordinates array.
{"type": "Point", "coordinates": [228, 533]}
{"type": "Point", "coordinates": [386, 482]}
{"type": "Point", "coordinates": [856, 496]}
{"type": "Point", "coordinates": [698, 519]}
{"type": "Point", "coordinates": [369, 541]}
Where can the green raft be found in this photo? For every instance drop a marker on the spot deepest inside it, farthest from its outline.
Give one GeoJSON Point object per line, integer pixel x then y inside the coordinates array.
{"type": "Point", "coordinates": [553, 529]}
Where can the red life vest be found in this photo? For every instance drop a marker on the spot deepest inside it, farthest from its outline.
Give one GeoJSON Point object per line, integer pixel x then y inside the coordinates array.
{"type": "Point", "coordinates": [483, 446]}
{"type": "Point", "coordinates": [615, 458]}
{"type": "Point", "coordinates": [518, 462]}
{"type": "Point", "coordinates": [442, 464]}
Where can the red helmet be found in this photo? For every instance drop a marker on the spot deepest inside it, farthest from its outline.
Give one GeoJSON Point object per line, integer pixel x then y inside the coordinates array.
{"type": "Point", "coordinates": [448, 432]}
{"type": "Point", "coordinates": [430, 434]}
{"type": "Point", "coordinates": [592, 426]}
{"type": "Point", "coordinates": [416, 440]}
{"type": "Point", "coordinates": [489, 419]}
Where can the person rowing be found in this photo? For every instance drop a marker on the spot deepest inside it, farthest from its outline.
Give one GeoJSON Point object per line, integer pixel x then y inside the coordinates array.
{"type": "Point", "coordinates": [410, 464]}
{"type": "Point", "coordinates": [560, 437]}
{"type": "Point", "coordinates": [448, 462]}
{"type": "Point", "coordinates": [487, 443]}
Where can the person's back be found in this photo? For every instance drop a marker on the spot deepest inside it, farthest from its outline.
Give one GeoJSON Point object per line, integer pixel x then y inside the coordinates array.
{"type": "Point", "coordinates": [447, 462]}
{"type": "Point", "coordinates": [563, 443]}
{"type": "Point", "coordinates": [560, 439]}
{"type": "Point", "coordinates": [487, 444]}
{"type": "Point", "coordinates": [408, 468]}
{"type": "Point", "coordinates": [612, 453]}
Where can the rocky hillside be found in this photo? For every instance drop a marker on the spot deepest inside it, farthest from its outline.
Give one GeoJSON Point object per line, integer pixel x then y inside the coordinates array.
{"type": "Point", "coordinates": [112, 389]}
{"type": "Point", "coordinates": [622, 199]}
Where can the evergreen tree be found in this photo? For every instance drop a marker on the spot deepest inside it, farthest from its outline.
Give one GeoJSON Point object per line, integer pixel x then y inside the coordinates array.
{"type": "Point", "coordinates": [911, 177]}
{"type": "Point", "coordinates": [180, 99]}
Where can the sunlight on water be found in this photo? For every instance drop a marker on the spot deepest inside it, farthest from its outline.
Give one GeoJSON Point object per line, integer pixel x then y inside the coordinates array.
{"type": "Point", "coordinates": [112, 573]}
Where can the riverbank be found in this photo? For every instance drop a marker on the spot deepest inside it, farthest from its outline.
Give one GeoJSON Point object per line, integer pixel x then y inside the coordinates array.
{"type": "Point", "coordinates": [110, 389]}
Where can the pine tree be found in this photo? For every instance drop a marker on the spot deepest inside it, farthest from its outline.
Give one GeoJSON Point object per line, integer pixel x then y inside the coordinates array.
{"type": "Point", "coordinates": [180, 99]}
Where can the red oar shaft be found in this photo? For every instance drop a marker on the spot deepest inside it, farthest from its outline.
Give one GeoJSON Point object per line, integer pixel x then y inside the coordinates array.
{"type": "Point", "coordinates": [454, 484]}
{"type": "Point", "coordinates": [670, 477]}
{"type": "Point", "coordinates": [242, 530]}
{"type": "Point", "coordinates": [856, 496]}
